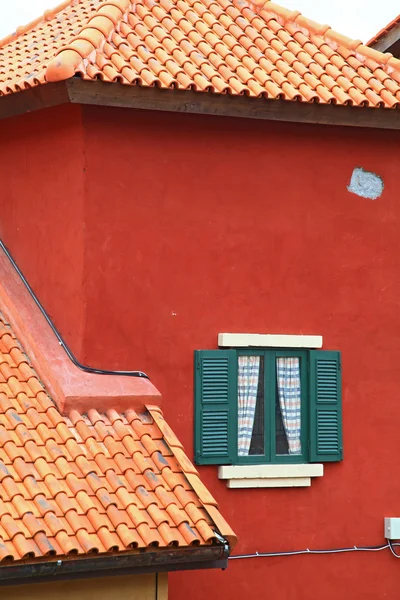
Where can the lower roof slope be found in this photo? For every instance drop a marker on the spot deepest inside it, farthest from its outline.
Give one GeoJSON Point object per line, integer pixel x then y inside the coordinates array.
{"type": "Point", "coordinates": [257, 48]}
{"type": "Point", "coordinates": [94, 483]}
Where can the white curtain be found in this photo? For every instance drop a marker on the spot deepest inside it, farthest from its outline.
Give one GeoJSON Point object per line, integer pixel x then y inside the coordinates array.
{"type": "Point", "coordinates": [248, 374]}
{"type": "Point", "coordinates": [289, 392]}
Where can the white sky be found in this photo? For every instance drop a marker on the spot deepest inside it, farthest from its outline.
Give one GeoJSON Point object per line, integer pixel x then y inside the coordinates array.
{"type": "Point", "coordinates": [359, 19]}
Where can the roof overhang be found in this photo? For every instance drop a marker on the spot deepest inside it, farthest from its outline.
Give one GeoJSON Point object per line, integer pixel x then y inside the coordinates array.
{"type": "Point", "coordinates": [78, 91]}
{"type": "Point", "coordinates": [162, 560]}
{"type": "Point", "coordinates": [388, 41]}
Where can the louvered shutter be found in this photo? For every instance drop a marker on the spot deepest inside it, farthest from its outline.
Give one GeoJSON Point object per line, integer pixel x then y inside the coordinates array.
{"type": "Point", "coordinates": [215, 406]}
{"type": "Point", "coordinates": [325, 406]}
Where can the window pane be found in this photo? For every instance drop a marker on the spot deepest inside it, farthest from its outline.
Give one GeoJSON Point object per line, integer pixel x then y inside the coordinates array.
{"type": "Point", "coordinates": [281, 439]}
{"type": "Point", "coordinates": [288, 406]}
{"type": "Point", "coordinates": [257, 439]}
{"type": "Point", "coordinates": [250, 405]}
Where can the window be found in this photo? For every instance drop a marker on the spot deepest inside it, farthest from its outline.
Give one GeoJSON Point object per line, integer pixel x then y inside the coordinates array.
{"type": "Point", "coordinates": [267, 406]}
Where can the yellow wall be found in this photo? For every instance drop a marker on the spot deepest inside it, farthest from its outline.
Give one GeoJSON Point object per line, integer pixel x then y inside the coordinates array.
{"type": "Point", "coordinates": [130, 587]}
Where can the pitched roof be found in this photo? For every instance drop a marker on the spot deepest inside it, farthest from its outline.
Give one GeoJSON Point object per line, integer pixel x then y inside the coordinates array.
{"type": "Point", "coordinates": [384, 31]}
{"type": "Point", "coordinates": [223, 46]}
{"type": "Point", "coordinates": [92, 483]}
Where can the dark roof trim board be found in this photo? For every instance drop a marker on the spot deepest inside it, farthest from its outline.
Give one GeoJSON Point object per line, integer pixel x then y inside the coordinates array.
{"type": "Point", "coordinates": [78, 91]}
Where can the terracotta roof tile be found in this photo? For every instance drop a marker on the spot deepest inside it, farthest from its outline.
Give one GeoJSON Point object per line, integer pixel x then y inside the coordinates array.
{"type": "Point", "coordinates": [91, 483]}
{"type": "Point", "coordinates": [257, 48]}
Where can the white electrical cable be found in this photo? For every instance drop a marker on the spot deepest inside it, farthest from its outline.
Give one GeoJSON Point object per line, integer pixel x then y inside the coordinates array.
{"type": "Point", "coordinates": [389, 545]}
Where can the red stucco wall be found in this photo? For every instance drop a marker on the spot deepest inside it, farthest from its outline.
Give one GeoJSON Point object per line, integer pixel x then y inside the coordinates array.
{"type": "Point", "coordinates": [197, 225]}
{"type": "Point", "coordinates": [41, 183]}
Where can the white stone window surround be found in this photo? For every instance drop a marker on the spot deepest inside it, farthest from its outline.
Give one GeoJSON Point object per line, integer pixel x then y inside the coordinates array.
{"type": "Point", "coordinates": [269, 476]}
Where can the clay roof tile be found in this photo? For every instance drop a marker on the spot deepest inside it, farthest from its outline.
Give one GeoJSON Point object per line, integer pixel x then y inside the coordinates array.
{"type": "Point", "coordinates": [86, 484]}
{"type": "Point", "coordinates": [185, 45]}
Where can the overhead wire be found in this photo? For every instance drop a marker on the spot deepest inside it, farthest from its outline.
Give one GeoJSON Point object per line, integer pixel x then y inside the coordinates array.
{"type": "Point", "coordinates": [60, 339]}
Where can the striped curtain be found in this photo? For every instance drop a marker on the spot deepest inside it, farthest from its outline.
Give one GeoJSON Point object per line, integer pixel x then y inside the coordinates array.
{"type": "Point", "coordinates": [289, 393]}
{"type": "Point", "coordinates": [248, 373]}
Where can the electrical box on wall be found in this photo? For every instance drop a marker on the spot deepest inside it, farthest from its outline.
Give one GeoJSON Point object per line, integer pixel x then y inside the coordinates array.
{"type": "Point", "coordinates": [392, 528]}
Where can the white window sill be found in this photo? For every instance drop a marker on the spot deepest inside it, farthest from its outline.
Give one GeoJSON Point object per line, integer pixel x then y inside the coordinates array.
{"type": "Point", "coordinates": [268, 476]}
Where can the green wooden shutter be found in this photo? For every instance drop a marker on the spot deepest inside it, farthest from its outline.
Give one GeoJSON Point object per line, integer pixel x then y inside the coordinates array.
{"type": "Point", "coordinates": [325, 406]}
{"type": "Point", "coordinates": [215, 406]}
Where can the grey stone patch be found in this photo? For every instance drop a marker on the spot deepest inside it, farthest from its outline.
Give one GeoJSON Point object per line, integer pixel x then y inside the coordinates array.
{"type": "Point", "coordinates": [366, 184]}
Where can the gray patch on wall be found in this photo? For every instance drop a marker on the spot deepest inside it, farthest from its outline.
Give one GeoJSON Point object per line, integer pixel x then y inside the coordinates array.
{"type": "Point", "coordinates": [365, 184]}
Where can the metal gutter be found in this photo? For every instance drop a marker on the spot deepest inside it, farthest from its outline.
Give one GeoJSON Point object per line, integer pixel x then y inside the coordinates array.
{"type": "Point", "coordinates": [164, 560]}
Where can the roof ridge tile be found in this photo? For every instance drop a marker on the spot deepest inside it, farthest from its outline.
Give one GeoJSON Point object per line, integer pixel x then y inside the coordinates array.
{"type": "Point", "coordinates": [68, 58]}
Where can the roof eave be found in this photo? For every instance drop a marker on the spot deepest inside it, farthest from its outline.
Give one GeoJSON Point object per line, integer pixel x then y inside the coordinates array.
{"type": "Point", "coordinates": [34, 98]}
{"type": "Point", "coordinates": [387, 41]}
{"type": "Point", "coordinates": [162, 560]}
{"type": "Point", "coordinates": [78, 91]}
